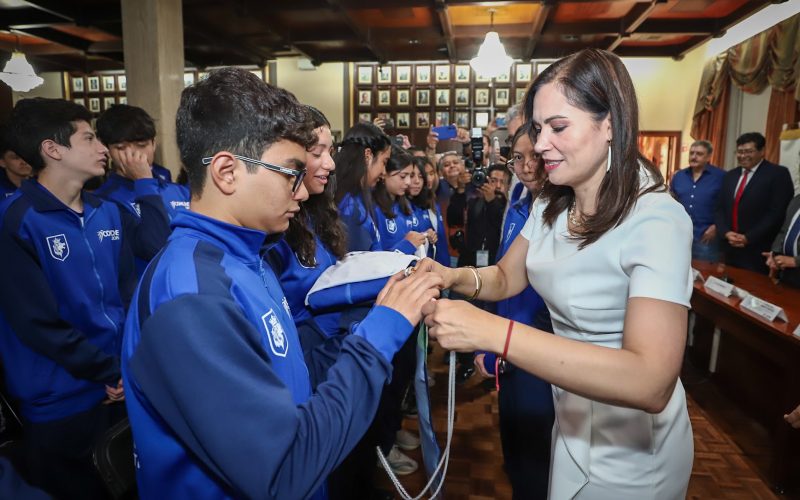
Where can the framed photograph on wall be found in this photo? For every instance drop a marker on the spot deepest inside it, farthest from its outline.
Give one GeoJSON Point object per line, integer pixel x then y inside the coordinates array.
{"type": "Point", "coordinates": [541, 66]}
{"type": "Point", "coordinates": [462, 97]}
{"type": "Point", "coordinates": [462, 119]}
{"type": "Point", "coordinates": [108, 102]}
{"type": "Point", "coordinates": [423, 119]}
{"type": "Point", "coordinates": [504, 77]}
{"type": "Point", "coordinates": [403, 97]}
{"type": "Point", "coordinates": [77, 84]}
{"type": "Point", "coordinates": [122, 83]}
{"type": "Point", "coordinates": [442, 97]}
{"type": "Point", "coordinates": [423, 97]}
{"type": "Point", "coordinates": [94, 104]}
{"type": "Point", "coordinates": [482, 119]}
{"type": "Point", "coordinates": [385, 74]}
{"type": "Point", "coordinates": [423, 74]}
{"type": "Point", "coordinates": [123, 100]}
{"type": "Point", "coordinates": [80, 100]}
{"type": "Point", "coordinates": [365, 75]}
{"type": "Point", "coordinates": [481, 78]}
{"type": "Point", "coordinates": [365, 117]}
{"type": "Point", "coordinates": [93, 83]}
{"type": "Point", "coordinates": [403, 74]}
{"type": "Point", "coordinates": [520, 95]}
{"type": "Point", "coordinates": [364, 97]}
{"type": "Point", "coordinates": [441, 118]}
{"type": "Point", "coordinates": [403, 120]}
{"type": "Point", "coordinates": [202, 75]}
{"type": "Point", "coordinates": [523, 72]}
{"type": "Point", "coordinates": [462, 73]}
{"type": "Point", "coordinates": [384, 98]}
{"type": "Point", "coordinates": [109, 83]}
{"type": "Point", "coordinates": [188, 78]}
{"type": "Point", "coordinates": [442, 73]}
{"type": "Point", "coordinates": [501, 97]}
{"type": "Point", "coordinates": [481, 97]}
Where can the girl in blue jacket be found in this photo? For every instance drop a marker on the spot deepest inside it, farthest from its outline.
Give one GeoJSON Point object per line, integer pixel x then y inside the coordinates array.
{"type": "Point", "coordinates": [393, 214]}
{"type": "Point", "coordinates": [427, 217]}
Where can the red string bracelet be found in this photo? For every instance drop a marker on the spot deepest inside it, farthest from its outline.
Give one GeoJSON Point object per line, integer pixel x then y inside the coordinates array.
{"type": "Point", "coordinates": [505, 352]}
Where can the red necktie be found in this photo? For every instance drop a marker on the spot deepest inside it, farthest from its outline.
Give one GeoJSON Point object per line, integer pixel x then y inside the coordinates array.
{"type": "Point", "coordinates": [737, 198]}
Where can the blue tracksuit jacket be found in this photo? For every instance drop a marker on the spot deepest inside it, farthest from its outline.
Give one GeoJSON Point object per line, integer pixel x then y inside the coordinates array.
{"type": "Point", "coordinates": [525, 307]}
{"type": "Point", "coordinates": [421, 222]}
{"type": "Point", "coordinates": [218, 394]}
{"type": "Point", "coordinates": [121, 190]}
{"type": "Point", "coordinates": [362, 234]}
{"type": "Point", "coordinates": [7, 188]}
{"type": "Point", "coordinates": [67, 281]}
{"type": "Point", "coordinates": [393, 230]}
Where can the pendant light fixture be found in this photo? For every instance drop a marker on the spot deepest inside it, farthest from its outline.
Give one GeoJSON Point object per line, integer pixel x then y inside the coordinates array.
{"type": "Point", "coordinates": [492, 59]}
{"type": "Point", "coordinates": [18, 72]}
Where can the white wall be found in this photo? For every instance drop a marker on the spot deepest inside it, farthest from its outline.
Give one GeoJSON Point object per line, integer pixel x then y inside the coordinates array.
{"type": "Point", "coordinates": [52, 87]}
{"type": "Point", "coordinates": [322, 87]}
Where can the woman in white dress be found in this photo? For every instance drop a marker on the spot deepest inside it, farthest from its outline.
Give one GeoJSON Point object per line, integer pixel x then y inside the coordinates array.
{"type": "Point", "coordinates": [609, 251]}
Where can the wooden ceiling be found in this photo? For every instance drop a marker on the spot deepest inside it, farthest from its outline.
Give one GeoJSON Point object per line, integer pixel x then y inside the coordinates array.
{"type": "Point", "coordinates": [86, 35]}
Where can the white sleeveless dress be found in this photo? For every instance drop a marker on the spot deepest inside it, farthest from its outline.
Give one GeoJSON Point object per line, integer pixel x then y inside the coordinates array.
{"type": "Point", "coordinates": [602, 451]}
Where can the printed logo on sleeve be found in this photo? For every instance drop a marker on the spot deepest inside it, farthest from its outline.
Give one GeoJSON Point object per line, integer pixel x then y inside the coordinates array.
{"type": "Point", "coordinates": [136, 208]}
{"type": "Point", "coordinates": [414, 221]}
{"type": "Point", "coordinates": [286, 306]}
{"type": "Point", "coordinates": [112, 234]}
{"type": "Point", "coordinates": [275, 333]}
{"type": "Point", "coordinates": [175, 204]}
{"type": "Point", "coordinates": [58, 246]}
{"type": "Point", "coordinates": [510, 230]}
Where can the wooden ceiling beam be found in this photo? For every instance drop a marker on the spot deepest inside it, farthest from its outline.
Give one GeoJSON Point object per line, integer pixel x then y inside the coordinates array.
{"type": "Point", "coordinates": [538, 25]}
{"type": "Point", "coordinates": [59, 37]}
{"type": "Point", "coordinates": [252, 54]}
{"type": "Point", "coordinates": [29, 18]}
{"type": "Point", "coordinates": [363, 37]}
{"type": "Point", "coordinates": [447, 28]}
{"type": "Point", "coordinates": [632, 20]}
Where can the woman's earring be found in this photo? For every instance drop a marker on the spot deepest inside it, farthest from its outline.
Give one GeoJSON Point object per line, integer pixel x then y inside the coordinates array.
{"type": "Point", "coordinates": [608, 161]}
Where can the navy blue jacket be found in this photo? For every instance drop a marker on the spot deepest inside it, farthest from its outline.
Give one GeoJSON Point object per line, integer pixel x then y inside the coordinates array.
{"type": "Point", "coordinates": [218, 395]}
{"type": "Point", "coordinates": [362, 233]}
{"type": "Point", "coordinates": [63, 294]}
{"type": "Point", "coordinates": [162, 173]}
{"type": "Point", "coordinates": [527, 307]}
{"type": "Point", "coordinates": [7, 188]}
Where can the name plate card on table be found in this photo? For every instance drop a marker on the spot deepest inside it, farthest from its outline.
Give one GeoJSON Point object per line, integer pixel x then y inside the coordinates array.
{"type": "Point", "coordinates": [740, 292]}
{"type": "Point", "coordinates": [763, 308]}
{"type": "Point", "coordinates": [716, 285]}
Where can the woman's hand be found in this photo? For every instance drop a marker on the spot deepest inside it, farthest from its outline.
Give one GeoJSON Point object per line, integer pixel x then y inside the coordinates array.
{"type": "Point", "coordinates": [408, 294]}
{"type": "Point", "coordinates": [459, 326]}
{"type": "Point", "coordinates": [432, 140]}
{"type": "Point", "coordinates": [416, 238]}
{"type": "Point", "coordinates": [428, 265]}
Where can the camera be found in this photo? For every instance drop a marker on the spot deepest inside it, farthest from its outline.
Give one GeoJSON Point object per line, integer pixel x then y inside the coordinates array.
{"type": "Point", "coordinates": [478, 171]}
{"type": "Point", "coordinates": [397, 140]}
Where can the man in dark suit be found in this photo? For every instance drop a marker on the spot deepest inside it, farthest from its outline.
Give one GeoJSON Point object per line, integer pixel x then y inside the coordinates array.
{"type": "Point", "coordinates": [752, 204]}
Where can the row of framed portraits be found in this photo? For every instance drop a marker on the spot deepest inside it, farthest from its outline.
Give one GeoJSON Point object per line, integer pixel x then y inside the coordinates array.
{"type": "Point", "coordinates": [118, 82]}
{"type": "Point", "coordinates": [93, 103]}
{"type": "Point", "coordinates": [98, 84]}
{"type": "Point", "coordinates": [426, 119]}
{"type": "Point", "coordinates": [485, 96]}
{"type": "Point", "coordinates": [441, 73]}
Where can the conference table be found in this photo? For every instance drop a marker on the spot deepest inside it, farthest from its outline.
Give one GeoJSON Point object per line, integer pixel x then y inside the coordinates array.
{"type": "Point", "coordinates": [753, 361]}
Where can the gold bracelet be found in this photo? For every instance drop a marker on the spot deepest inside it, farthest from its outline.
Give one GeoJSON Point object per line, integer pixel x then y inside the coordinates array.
{"type": "Point", "coordinates": [478, 283]}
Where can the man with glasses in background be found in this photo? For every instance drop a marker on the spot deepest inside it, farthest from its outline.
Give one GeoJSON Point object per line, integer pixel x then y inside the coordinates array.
{"type": "Point", "coordinates": [752, 204]}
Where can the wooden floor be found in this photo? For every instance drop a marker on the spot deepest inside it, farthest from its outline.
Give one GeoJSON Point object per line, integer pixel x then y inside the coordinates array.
{"type": "Point", "coordinates": [722, 468]}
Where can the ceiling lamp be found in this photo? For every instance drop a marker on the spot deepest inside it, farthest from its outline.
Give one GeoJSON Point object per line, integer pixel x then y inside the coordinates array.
{"type": "Point", "coordinates": [18, 73]}
{"type": "Point", "coordinates": [492, 59]}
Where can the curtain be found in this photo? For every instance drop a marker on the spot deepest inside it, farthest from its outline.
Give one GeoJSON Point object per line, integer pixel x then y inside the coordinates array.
{"type": "Point", "coordinates": [770, 58]}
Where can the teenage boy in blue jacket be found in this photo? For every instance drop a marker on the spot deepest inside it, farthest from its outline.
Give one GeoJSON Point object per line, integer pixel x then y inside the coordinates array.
{"type": "Point", "coordinates": [218, 392]}
{"type": "Point", "coordinates": [68, 276]}
{"type": "Point", "coordinates": [129, 133]}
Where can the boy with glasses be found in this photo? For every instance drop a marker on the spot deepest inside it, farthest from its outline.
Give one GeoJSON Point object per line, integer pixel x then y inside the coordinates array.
{"type": "Point", "coordinates": [209, 314]}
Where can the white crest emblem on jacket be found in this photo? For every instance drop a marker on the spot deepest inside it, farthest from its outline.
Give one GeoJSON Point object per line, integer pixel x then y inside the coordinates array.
{"type": "Point", "coordinates": [58, 246]}
{"type": "Point", "coordinates": [275, 333]}
{"type": "Point", "coordinates": [391, 226]}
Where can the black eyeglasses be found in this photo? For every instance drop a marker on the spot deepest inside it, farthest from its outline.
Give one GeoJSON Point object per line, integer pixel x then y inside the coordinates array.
{"type": "Point", "coordinates": [297, 174]}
